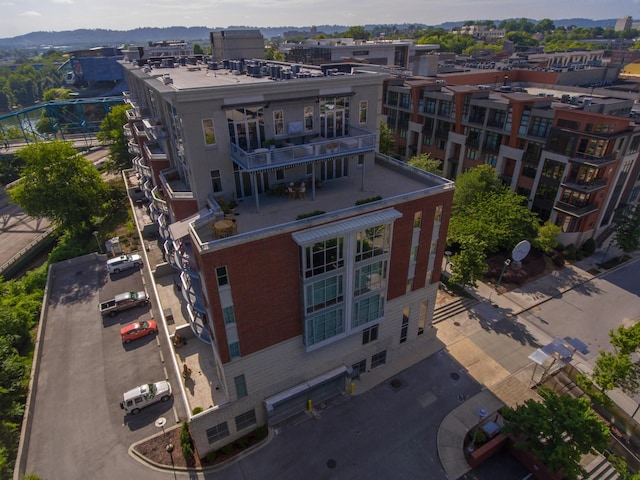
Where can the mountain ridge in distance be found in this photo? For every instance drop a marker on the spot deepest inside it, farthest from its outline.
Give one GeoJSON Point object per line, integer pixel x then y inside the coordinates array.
{"type": "Point", "coordinates": [142, 35]}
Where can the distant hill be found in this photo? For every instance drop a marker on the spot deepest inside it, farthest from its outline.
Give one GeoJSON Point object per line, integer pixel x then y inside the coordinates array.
{"type": "Point", "coordinates": [84, 38]}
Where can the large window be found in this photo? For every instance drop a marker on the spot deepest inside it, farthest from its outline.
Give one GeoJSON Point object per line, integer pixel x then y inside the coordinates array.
{"type": "Point", "coordinates": [372, 242]}
{"type": "Point", "coordinates": [308, 119]}
{"type": "Point", "coordinates": [368, 309]}
{"type": "Point", "coordinates": [228, 315]}
{"type": "Point", "coordinates": [222, 276]}
{"type": "Point", "coordinates": [323, 257]}
{"type": "Point", "coordinates": [370, 334]}
{"type": "Point", "coordinates": [245, 420]}
{"type": "Point", "coordinates": [209, 132]}
{"type": "Point", "coordinates": [405, 324]}
{"type": "Point", "coordinates": [324, 326]}
{"type": "Point", "coordinates": [370, 277]}
{"type": "Point", "coordinates": [323, 293]}
{"type": "Point", "coordinates": [216, 181]}
{"type": "Point", "coordinates": [362, 117]}
{"type": "Point", "coordinates": [241, 386]}
{"type": "Point", "coordinates": [379, 359]}
{"type": "Point", "coordinates": [278, 122]}
{"type": "Point", "coordinates": [218, 432]}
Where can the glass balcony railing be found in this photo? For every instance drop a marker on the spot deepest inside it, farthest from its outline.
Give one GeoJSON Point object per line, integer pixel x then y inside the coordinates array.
{"type": "Point", "coordinates": [576, 210]}
{"type": "Point", "coordinates": [359, 141]}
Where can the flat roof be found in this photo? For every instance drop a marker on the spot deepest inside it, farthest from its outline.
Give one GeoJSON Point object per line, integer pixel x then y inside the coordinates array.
{"type": "Point", "coordinates": [392, 180]}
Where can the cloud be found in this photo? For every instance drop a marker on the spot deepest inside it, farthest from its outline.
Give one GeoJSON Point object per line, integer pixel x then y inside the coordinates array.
{"type": "Point", "coordinates": [30, 13]}
{"type": "Point", "coordinates": [63, 1]}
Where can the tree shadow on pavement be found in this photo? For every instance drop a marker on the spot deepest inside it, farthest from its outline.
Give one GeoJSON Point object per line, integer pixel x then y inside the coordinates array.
{"type": "Point", "coordinates": [502, 321]}
{"type": "Point", "coordinates": [76, 279]}
{"type": "Point", "coordinates": [558, 282]}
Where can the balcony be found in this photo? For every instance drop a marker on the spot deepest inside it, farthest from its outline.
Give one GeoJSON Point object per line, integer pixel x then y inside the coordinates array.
{"type": "Point", "coordinates": [133, 114]}
{"type": "Point", "coordinates": [158, 202]}
{"type": "Point", "coordinates": [153, 151]}
{"type": "Point", "coordinates": [476, 119]}
{"type": "Point", "coordinates": [592, 160]}
{"type": "Point", "coordinates": [142, 168]}
{"type": "Point", "coordinates": [133, 147]}
{"type": "Point", "coordinates": [359, 141]}
{"type": "Point", "coordinates": [128, 132]}
{"type": "Point", "coordinates": [138, 131]}
{"type": "Point", "coordinates": [576, 210]}
{"type": "Point", "coordinates": [174, 186]}
{"type": "Point", "coordinates": [585, 187]}
{"type": "Point", "coordinates": [154, 129]}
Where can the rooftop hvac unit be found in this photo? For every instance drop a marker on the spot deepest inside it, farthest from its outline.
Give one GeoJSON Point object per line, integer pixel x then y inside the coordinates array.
{"type": "Point", "coordinates": [587, 101]}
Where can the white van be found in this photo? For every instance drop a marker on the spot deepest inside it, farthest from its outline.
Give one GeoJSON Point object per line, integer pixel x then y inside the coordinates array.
{"type": "Point", "coordinates": [137, 398]}
{"type": "Point", "coordinates": [124, 262]}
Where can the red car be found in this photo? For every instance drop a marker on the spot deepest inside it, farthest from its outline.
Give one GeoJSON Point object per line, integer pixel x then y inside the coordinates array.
{"type": "Point", "coordinates": [138, 330]}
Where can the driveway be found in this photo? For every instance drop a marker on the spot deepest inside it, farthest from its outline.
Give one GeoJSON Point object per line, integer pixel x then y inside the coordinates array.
{"type": "Point", "coordinates": [77, 427]}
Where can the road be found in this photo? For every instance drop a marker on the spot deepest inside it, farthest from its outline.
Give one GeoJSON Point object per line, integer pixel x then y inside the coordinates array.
{"type": "Point", "coordinates": [78, 429]}
{"type": "Point", "coordinates": [590, 310]}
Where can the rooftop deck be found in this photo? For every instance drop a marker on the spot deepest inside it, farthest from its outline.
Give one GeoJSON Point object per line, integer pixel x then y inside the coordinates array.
{"type": "Point", "coordinates": [392, 180]}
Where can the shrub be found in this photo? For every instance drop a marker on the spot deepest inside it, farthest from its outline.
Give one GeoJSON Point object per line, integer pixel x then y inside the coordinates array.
{"type": "Point", "coordinates": [570, 251]}
{"type": "Point", "coordinates": [227, 449]}
{"type": "Point", "coordinates": [369, 200]}
{"type": "Point", "coordinates": [186, 443]}
{"type": "Point", "coordinates": [196, 410]}
{"type": "Point", "coordinates": [589, 247]}
{"type": "Point", "coordinates": [558, 261]}
{"type": "Point", "coordinates": [260, 433]}
{"type": "Point", "coordinates": [210, 457]}
{"type": "Point", "coordinates": [243, 442]}
{"type": "Point", "coordinates": [310, 214]}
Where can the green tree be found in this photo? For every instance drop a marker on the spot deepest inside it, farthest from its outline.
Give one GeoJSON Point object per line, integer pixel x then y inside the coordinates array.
{"type": "Point", "coordinates": [197, 49]}
{"type": "Point", "coordinates": [112, 134]}
{"type": "Point", "coordinates": [545, 25]}
{"type": "Point", "coordinates": [387, 144]}
{"type": "Point", "coordinates": [557, 431]}
{"type": "Point", "coordinates": [59, 184]}
{"type": "Point", "coordinates": [470, 263]}
{"type": "Point", "coordinates": [471, 186]}
{"type": "Point", "coordinates": [547, 238]}
{"type": "Point", "coordinates": [618, 369]}
{"type": "Point", "coordinates": [628, 229]}
{"type": "Point", "coordinates": [357, 33]}
{"type": "Point", "coordinates": [425, 162]}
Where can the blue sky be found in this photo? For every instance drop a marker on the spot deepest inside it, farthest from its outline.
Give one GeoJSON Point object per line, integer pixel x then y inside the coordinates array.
{"type": "Point", "coordinates": [25, 16]}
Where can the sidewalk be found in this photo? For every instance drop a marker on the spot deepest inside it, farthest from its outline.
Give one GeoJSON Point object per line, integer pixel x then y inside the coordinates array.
{"type": "Point", "coordinates": [478, 340]}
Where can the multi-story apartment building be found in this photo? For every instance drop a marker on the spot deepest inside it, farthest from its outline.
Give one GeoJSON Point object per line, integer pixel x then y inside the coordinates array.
{"type": "Point", "coordinates": [574, 156]}
{"type": "Point", "coordinates": [328, 268]}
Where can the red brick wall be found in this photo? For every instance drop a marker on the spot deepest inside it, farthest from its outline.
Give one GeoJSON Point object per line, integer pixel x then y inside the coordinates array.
{"type": "Point", "coordinates": [265, 284]}
{"type": "Point", "coordinates": [182, 208]}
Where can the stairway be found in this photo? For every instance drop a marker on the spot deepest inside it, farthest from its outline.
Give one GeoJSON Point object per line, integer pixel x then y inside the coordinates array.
{"type": "Point", "coordinates": [450, 309]}
{"type": "Point", "coordinates": [601, 469]}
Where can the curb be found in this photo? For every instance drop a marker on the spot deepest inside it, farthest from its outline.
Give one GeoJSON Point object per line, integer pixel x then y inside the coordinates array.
{"type": "Point", "coordinates": [213, 468]}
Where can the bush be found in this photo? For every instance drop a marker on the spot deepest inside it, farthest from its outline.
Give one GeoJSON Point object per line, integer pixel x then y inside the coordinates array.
{"type": "Point", "coordinates": [310, 214]}
{"type": "Point", "coordinates": [210, 457]}
{"type": "Point", "coordinates": [227, 449]}
{"type": "Point", "coordinates": [260, 433]}
{"type": "Point", "coordinates": [186, 443]}
{"type": "Point", "coordinates": [570, 252]}
{"type": "Point", "coordinates": [558, 261]}
{"type": "Point", "coordinates": [196, 410]}
{"type": "Point", "coordinates": [242, 442]}
{"type": "Point", "coordinates": [369, 200]}
{"type": "Point", "coordinates": [589, 247]}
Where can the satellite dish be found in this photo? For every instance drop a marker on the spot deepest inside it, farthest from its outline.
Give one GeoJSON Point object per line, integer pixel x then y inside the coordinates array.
{"type": "Point", "coordinates": [521, 250]}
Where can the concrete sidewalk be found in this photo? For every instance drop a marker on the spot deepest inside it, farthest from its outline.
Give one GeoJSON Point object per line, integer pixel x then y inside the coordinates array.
{"type": "Point", "coordinates": [493, 347]}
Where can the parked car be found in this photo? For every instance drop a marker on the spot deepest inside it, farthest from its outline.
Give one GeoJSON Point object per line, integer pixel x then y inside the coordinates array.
{"type": "Point", "coordinates": [124, 262]}
{"type": "Point", "coordinates": [124, 301]}
{"type": "Point", "coordinates": [137, 330]}
{"type": "Point", "coordinates": [140, 397]}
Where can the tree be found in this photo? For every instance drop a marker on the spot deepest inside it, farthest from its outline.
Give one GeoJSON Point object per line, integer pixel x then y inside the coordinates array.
{"type": "Point", "coordinates": [112, 134]}
{"type": "Point", "coordinates": [618, 369]}
{"type": "Point", "coordinates": [197, 49]}
{"type": "Point", "coordinates": [58, 183]}
{"type": "Point", "coordinates": [628, 229]}
{"type": "Point", "coordinates": [426, 163]}
{"type": "Point", "coordinates": [547, 238]}
{"type": "Point", "coordinates": [557, 431]}
{"type": "Point", "coordinates": [472, 185]}
{"type": "Point", "coordinates": [468, 265]}
{"type": "Point", "coordinates": [387, 144]}
{"type": "Point", "coordinates": [357, 33]}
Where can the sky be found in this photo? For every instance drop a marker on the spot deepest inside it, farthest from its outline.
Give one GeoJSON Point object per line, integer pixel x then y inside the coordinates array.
{"type": "Point", "coordinates": [25, 16]}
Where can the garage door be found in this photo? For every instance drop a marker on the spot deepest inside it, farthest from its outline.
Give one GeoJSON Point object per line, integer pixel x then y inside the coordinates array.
{"type": "Point", "coordinates": [295, 400]}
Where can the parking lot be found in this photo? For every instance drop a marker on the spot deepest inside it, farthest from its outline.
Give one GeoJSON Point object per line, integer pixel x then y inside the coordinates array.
{"type": "Point", "coordinates": [84, 369]}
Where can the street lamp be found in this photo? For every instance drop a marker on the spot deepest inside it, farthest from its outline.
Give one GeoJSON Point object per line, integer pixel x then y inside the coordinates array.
{"type": "Point", "coordinates": [95, 234]}
{"type": "Point", "coordinates": [482, 413]}
{"type": "Point", "coordinates": [507, 262]}
{"type": "Point", "coordinates": [169, 449]}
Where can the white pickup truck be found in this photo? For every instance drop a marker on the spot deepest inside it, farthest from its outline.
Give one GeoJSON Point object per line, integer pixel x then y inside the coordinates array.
{"type": "Point", "coordinates": [124, 301]}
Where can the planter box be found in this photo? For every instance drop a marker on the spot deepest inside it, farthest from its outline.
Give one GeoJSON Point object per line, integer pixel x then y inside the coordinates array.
{"type": "Point", "coordinates": [485, 451]}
